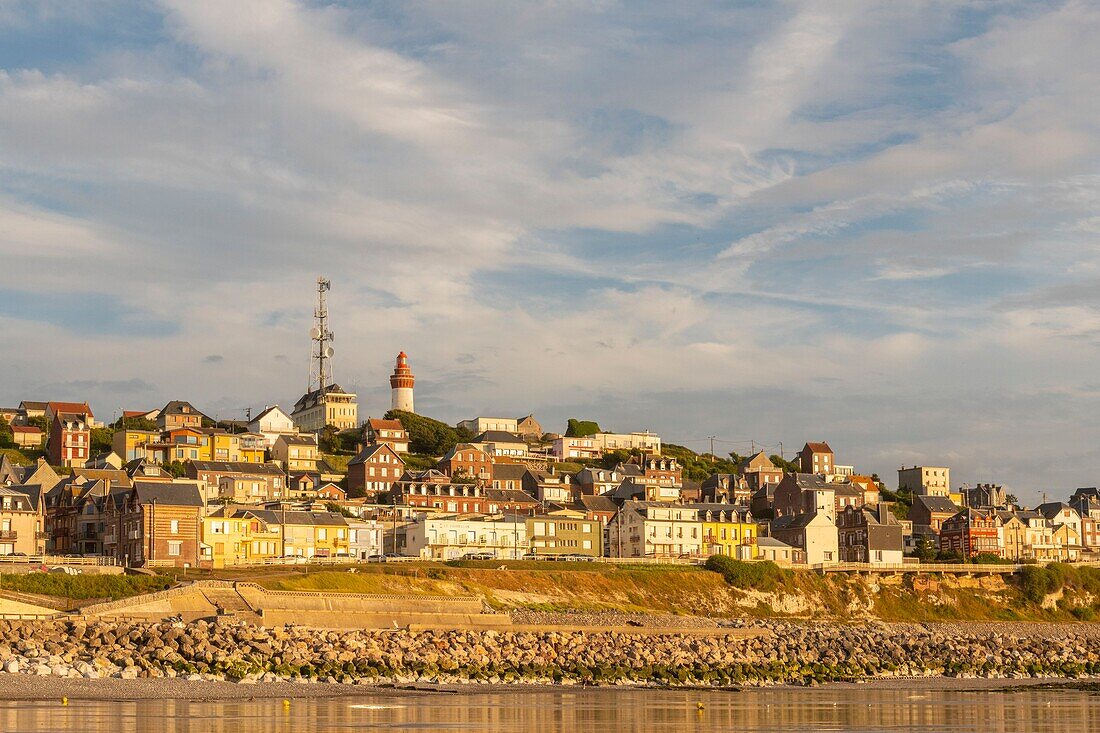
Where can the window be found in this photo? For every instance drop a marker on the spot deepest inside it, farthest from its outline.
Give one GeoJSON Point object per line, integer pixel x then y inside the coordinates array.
{"type": "Point", "coordinates": [175, 526]}
{"type": "Point", "coordinates": [174, 549]}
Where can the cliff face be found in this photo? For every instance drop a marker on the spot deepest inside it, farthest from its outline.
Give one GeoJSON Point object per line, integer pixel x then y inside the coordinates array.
{"type": "Point", "coordinates": [698, 592]}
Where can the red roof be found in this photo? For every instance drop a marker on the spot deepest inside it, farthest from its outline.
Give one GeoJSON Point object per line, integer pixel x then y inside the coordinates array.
{"type": "Point", "coordinates": [25, 429]}
{"type": "Point", "coordinates": [79, 408]}
{"type": "Point", "coordinates": [819, 447]}
{"type": "Point", "coordinates": [134, 413]}
{"type": "Point", "coordinates": [379, 424]}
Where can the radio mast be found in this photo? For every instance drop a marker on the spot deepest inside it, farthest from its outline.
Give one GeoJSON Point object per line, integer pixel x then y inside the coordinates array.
{"type": "Point", "coordinates": [321, 351]}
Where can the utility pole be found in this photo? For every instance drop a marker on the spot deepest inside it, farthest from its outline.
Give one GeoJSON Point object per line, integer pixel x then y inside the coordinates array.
{"type": "Point", "coordinates": [712, 449]}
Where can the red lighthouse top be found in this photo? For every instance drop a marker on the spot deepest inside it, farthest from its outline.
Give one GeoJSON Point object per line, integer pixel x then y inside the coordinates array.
{"type": "Point", "coordinates": [402, 376]}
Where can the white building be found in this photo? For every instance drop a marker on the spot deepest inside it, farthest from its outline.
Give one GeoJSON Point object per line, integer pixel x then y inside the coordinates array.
{"type": "Point", "coordinates": [271, 423]}
{"type": "Point", "coordinates": [925, 480]}
{"type": "Point", "coordinates": [655, 529]}
{"type": "Point", "coordinates": [479, 425]}
{"type": "Point", "coordinates": [645, 441]}
{"type": "Point", "coordinates": [365, 538]}
{"type": "Point", "coordinates": [451, 536]}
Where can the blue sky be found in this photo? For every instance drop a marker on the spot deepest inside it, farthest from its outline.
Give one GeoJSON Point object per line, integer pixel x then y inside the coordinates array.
{"type": "Point", "coordinates": [870, 223]}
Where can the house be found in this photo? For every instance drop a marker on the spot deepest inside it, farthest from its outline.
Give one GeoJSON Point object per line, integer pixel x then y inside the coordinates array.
{"type": "Point", "coordinates": [13, 415]}
{"type": "Point", "coordinates": [478, 425]}
{"type": "Point", "coordinates": [870, 534]}
{"type": "Point", "coordinates": [972, 532]}
{"type": "Point", "coordinates": [53, 409]}
{"type": "Point", "coordinates": [39, 473]}
{"type": "Point", "coordinates": [566, 448]}
{"type": "Point", "coordinates": [109, 459]}
{"type": "Point", "coordinates": [1058, 513]}
{"type": "Point", "coordinates": [546, 486]}
{"type": "Point", "coordinates": [658, 470]}
{"type": "Point", "coordinates": [925, 480]}
{"type": "Point", "coordinates": [451, 536]}
{"type": "Point", "coordinates": [816, 458]}
{"type": "Point", "coordinates": [772, 550]}
{"type": "Point", "coordinates": [599, 508]}
{"type": "Point", "coordinates": [306, 533]}
{"type": "Point", "coordinates": [210, 474]}
{"type": "Point", "coordinates": [514, 476]}
{"type": "Point", "coordinates": [655, 529]}
{"type": "Point", "coordinates": [161, 525]}
{"type": "Point", "coordinates": [22, 520]}
{"type": "Point", "coordinates": [930, 512]}
{"type": "Point", "coordinates": [646, 442]}
{"type": "Point", "coordinates": [329, 491]}
{"type": "Point", "coordinates": [468, 461]}
{"type": "Point", "coordinates": [798, 493]}
{"type": "Point", "coordinates": [390, 432]}
{"type": "Point", "coordinates": [231, 537]}
{"type": "Point", "coordinates": [596, 481]}
{"type": "Point", "coordinates": [498, 443]}
{"type": "Point", "coordinates": [296, 453]}
{"type": "Point", "coordinates": [70, 440]}
{"type": "Point", "coordinates": [320, 408]}
{"type": "Point", "coordinates": [26, 436]}
{"type": "Point", "coordinates": [374, 470]}
{"type": "Point", "coordinates": [365, 538]}
{"type": "Point", "coordinates": [868, 486]}
{"type": "Point", "coordinates": [805, 507]}
{"type": "Point", "coordinates": [246, 488]}
{"type": "Point", "coordinates": [32, 409]}
{"type": "Point", "coordinates": [762, 503]}
{"type": "Point", "coordinates": [179, 414]}
{"type": "Point", "coordinates": [564, 532]}
{"type": "Point", "coordinates": [728, 529]}
{"type": "Point", "coordinates": [1026, 535]}
{"type": "Point", "coordinates": [758, 470]}
{"type": "Point", "coordinates": [271, 423]}
{"type": "Point", "coordinates": [131, 444]}
{"type": "Point", "coordinates": [813, 535]}
{"type": "Point", "coordinates": [303, 486]}
{"type": "Point", "coordinates": [529, 427]}
{"type": "Point", "coordinates": [985, 496]}
{"type": "Point", "coordinates": [433, 489]}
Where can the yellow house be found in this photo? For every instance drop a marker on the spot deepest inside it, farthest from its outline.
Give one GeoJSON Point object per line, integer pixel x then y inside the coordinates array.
{"type": "Point", "coordinates": [296, 453]}
{"type": "Point", "coordinates": [236, 537]}
{"type": "Point", "coordinates": [727, 530]}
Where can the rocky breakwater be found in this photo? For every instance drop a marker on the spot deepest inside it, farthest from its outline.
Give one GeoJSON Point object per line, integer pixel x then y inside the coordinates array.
{"type": "Point", "coordinates": [792, 653]}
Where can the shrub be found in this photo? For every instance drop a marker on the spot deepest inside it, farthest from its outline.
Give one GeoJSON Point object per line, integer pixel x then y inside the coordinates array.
{"type": "Point", "coordinates": [1037, 582]}
{"type": "Point", "coordinates": [761, 575]}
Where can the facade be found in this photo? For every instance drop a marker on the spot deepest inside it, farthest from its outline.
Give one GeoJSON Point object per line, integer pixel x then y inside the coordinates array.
{"type": "Point", "coordinates": [870, 534]}
{"type": "Point", "coordinates": [972, 532]}
{"type": "Point", "coordinates": [758, 470]}
{"type": "Point", "coordinates": [468, 461]}
{"type": "Point", "coordinates": [645, 442]}
{"type": "Point", "coordinates": [179, 414]}
{"type": "Point", "coordinates": [401, 385]}
{"type": "Point", "coordinates": [931, 512]}
{"type": "Point", "coordinates": [247, 488]}
{"type": "Point", "coordinates": [925, 480]}
{"type": "Point", "coordinates": [307, 534]}
{"type": "Point", "coordinates": [655, 529]}
{"type": "Point", "coordinates": [597, 481]}
{"type": "Point", "coordinates": [70, 439]}
{"type": "Point", "coordinates": [161, 525]}
{"type": "Point", "coordinates": [209, 474]}
{"type": "Point", "coordinates": [320, 408]}
{"type": "Point", "coordinates": [479, 425]}
{"type": "Point", "coordinates": [374, 470]}
{"type": "Point", "coordinates": [798, 493]}
{"type": "Point", "coordinates": [26, 436]}
{"type": "Point", "coordinates": [391, 432]}
{"type": "Point", "coordinates": [772, 550]}
{"type": "Point", "coordinates": [452, 536]}
{"type": "Point", "coordinates": [296, 453]}
{"type": "Point", "coordinates": [564, 533]}
{"type": "Point", "coordinates": [271, 423]}
{"type": "Point", "coordinates": [1026, 536]}
{"type": "Point", "coordinates": [22, 521]}
{"type": "Point", "coordinates": [529, 428]}
{"type": "Point", "coordinates": [728, 529]}
{"type": "Point", "coordinates": [365, 537]}
{"type": "Point", "coordinates": [725, 488]}
{"type": "Point", "coordinates": [985, 496]}
{"type": "Point", "coordinates": [566, 448]}
{"type": "Point", "coordinates": [816, 458]}
{"type": "Point", "coordinates": [498, 443]}
{"type": "Point", "coordinates": [814, 535]}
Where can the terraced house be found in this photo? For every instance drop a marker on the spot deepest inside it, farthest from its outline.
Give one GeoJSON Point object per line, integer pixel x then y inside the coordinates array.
{"type": "Point", "coordinates": [564, 532]}
{"type": "Point", "coordinates": [655, 529]}
{"type": "Point", "coordinates": [22, 521]}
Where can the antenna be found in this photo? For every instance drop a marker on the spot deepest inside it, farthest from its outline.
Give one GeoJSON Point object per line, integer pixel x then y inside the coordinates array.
{"type": "Point", "coordinates": [320, 364]}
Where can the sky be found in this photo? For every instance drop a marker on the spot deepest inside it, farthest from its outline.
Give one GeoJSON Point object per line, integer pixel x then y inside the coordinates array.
{"type": "Point", "coordinates": [871, 223]}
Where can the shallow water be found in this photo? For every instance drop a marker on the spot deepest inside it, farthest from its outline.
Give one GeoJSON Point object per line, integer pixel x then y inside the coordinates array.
{"type": "Point", "coordinates": [584, 711]}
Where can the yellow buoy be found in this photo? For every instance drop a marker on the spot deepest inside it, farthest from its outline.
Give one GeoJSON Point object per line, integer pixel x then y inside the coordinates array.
{"type": "Point", "coordinates": [64, 701]}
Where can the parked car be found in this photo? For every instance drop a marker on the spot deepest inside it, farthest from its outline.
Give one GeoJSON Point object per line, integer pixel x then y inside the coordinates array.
{"type": "Point", "coordinates": [478, 556]}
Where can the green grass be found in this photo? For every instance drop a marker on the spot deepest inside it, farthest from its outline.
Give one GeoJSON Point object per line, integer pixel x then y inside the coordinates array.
{"type": "Point", "coordinates": [339, 463]}
{"type": "Point", "coordinates": [17, 456]}
{"type": "Point", "coordinates": [84, 586]}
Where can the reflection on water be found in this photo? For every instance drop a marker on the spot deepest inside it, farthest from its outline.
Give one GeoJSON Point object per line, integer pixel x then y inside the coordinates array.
{"type": "Point", "coordinates": [583, 711]}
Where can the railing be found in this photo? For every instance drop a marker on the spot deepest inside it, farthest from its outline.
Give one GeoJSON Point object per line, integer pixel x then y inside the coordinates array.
{"type": "Point", "coordinates": [57, 560]}
{"type": "Point", "coordinates": [8, 534]}
{"type": "Point", "coordinates": [924, 567]}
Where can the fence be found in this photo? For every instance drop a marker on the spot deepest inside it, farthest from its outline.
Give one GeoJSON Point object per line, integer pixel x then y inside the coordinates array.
{"type": "Point", "coordinates": [56, 560]}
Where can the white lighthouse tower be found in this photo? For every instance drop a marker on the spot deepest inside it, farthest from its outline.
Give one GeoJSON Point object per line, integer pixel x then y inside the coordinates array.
{"type": "Point", "coordinates": [401, 385]}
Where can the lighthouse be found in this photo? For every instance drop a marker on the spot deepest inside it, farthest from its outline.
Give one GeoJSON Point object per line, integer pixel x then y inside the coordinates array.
{"type": "Point", "coordinates": [401, 384]}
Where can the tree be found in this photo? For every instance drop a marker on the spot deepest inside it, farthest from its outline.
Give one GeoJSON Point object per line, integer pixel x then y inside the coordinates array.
{"type": "Point", "coordinates": [134, 423]}
{"type": "Point", "coordinates": [1011, 499]}
{"type": "Point", "coordinates": [40, 422]}
{"type": "Point", "coordinates": [177, 468]}
{"type": "Point", "coordinates": [785, 465]}
{"type": "Point", "coordinates": [327, 440]}
{"type": "Point", "coordinates": [428, 436]}
{"type": "Point", "coordinates": [925, 550]}
{"type": "Point", "coordinates": [7, 437]}
{"type": "Point", "coordinates": [102, 440]}
{"type": "Point", "coordinates": [580, 428]}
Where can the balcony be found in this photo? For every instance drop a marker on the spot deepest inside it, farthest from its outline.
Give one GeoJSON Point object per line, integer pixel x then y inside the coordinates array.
{"type": "Point", "coordinates": [8, 534]}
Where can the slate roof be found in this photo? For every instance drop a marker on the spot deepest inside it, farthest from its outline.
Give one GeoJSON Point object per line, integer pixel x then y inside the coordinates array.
{"type": "Point", "coordinates": [170, 494]}
{"type": "Point", "coordinates": [259, 469]}
{"type": "Point", "coordinates": [939, 504]}
{"type": "Point", "coordinates": [498, 436]}
{"type": "Point", "coordinates": [368, 452]}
